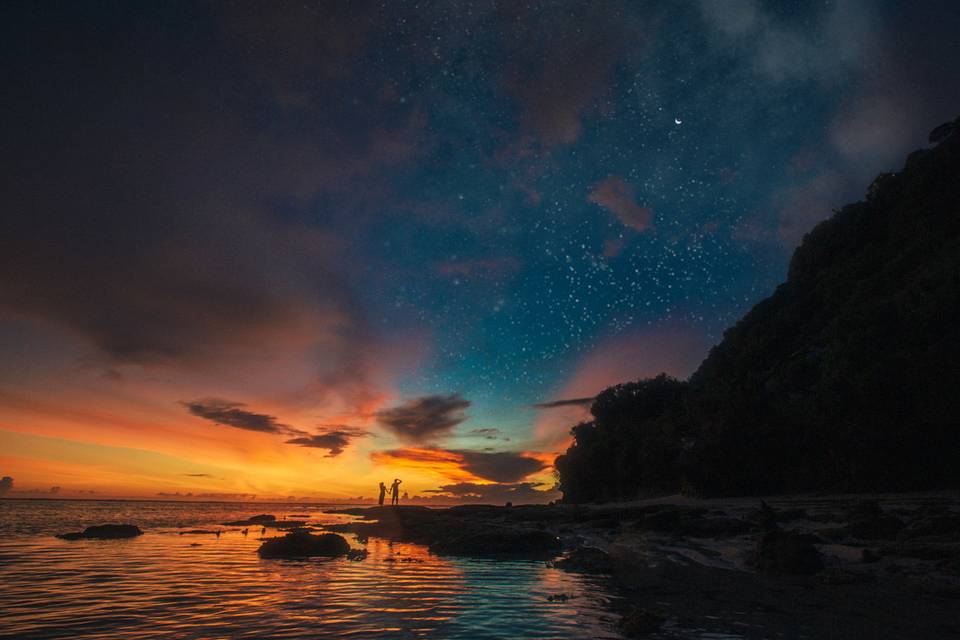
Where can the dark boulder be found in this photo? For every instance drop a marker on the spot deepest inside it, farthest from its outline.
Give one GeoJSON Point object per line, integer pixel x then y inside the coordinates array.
{"type": "Point", "coordinates": [104, 532]}
{"type": "Point", "coordinates": [640, 623]}
{"type": "Point", "coordinates": [500, 541]}
{"type": "Point", "coordinates": [786, 552]}
{"type": "Point", "coordinates": [864, 509]}
{"type": "Point", "coordinates": [874, 528]}
{"type": "Point", "coordinates": [301, 544]}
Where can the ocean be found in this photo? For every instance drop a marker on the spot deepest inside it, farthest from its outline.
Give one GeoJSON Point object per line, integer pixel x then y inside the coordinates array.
{"type": "Point", "coordinates": [167, 585]}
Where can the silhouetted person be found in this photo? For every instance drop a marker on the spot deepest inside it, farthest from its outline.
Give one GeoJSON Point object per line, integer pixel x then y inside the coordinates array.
{"type": "Point", "coordinates": [263, 531]}
{"type": "Point", "coordinates": [395, 492]}
{"type": "Point", "coordinates": [383, 492]}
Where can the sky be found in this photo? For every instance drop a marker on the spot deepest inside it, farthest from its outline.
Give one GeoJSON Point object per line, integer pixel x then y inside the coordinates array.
{"type": "Point", "coordinates": [290, 250]}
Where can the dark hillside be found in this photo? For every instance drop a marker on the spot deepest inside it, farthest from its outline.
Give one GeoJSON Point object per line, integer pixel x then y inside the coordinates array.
{"type": "Point", "coordinates": [846, 378]}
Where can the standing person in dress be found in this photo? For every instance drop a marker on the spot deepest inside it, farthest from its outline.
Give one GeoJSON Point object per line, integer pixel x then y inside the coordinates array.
{"type": "Point", "coordinates": [383, 492]}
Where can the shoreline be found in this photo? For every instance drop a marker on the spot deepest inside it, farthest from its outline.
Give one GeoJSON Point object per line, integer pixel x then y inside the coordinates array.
{"type": "Point", "coordinates": [818, 566]}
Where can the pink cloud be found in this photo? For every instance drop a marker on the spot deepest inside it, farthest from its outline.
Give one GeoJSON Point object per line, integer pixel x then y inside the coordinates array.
{"type": "Point", "coordinates": [676, 350]}
{"type": "Point", "coordinates": [619, 198]}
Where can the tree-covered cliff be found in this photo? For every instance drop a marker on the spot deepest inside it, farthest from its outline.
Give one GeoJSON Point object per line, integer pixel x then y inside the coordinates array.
{"type": "Point", "coordinates": [846, 378]}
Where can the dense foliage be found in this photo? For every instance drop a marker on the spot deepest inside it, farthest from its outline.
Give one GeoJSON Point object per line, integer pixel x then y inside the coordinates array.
{"type": "Point", "coordinates": [847, 378]}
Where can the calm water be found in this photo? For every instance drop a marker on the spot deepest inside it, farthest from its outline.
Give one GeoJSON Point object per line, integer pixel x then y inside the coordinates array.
{"type": "Point", "coordinates": [162, 585]}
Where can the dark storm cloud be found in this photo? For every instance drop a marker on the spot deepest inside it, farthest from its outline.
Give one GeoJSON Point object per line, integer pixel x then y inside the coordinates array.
{"type": "Point", "coordinates": [503, 466]}
{"type": "Point", "coordinates": [333, 439]}
{"type": "Point", "coordinates": [577, 402]}
{"type": "Point", "coordinates": [424, 418]}
{"type": "Point", "coordinates": [6, 485]}
{"type": "Point", "coordinates": [517, 493]}
{"type": "Point", "coordinates": [141, 213]}
{"type": "Point", "coordinates": [233, 414]}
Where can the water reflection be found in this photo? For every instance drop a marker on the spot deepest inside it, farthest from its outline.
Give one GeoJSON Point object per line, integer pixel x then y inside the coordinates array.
{"type": "Point", "coordinates": [161, 585]}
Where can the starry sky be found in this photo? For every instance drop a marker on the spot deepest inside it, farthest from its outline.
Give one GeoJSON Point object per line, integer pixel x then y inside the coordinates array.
{"type": "Point", "coordinates": [292, 249]}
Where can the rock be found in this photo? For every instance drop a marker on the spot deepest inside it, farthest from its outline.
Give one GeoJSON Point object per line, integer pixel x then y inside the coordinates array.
{"type": "Point", "coordinates": [198, 532]}
{"type": "Point", "coordinates": [786, 552]}
{"type": "Point", "coordinates": [586, 560]}
{"type": "Point", "coordinates": [874, 527]}
{"type": "Point", "coordinates": [640, 623]}
{"type": "Point", "coordinates": [301, 544]}
{"type": "Point", "coordinates": [263, 518]}
{"type": "Point", "coordinates": [691, 522]}
{"type": "Point", "coordinates": [104, 532]}
{"type": "Point", "coordinates": [505, 541]}
{"type": "Point", "coordinates": [834, 576]}
{"type": "Point", "coordinates": [357, 554]}
{"type": "Point", "coordinates": [933, 525]}
{"type": "Point", "coordinates": [864, 509]}
{"type": "Point", "coordinates": [869, 556]}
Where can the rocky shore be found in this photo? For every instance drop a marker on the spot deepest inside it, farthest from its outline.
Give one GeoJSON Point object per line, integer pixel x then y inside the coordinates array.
{"type": "Point", "coordinates": [811, 566]}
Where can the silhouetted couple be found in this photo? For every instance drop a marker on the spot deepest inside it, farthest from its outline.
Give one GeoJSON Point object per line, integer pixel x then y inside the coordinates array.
{"type": "Point", "coordinates": [394, 492]}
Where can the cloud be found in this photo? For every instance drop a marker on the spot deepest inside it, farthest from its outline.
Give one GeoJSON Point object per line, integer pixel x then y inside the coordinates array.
{"type": "Point", "coordinates": [675, 349]}
{"type": "Point", "coordinates": [779, 51]}
{"type": "Point", "coordinates": [333, 439]}
{"type": "Point", "coordinates": [6, 485]}
{"type": "Point", "coordinates": [618, 197]}
{"type": "Point", "coordinates": [517, 493]}
{"type": "Point", "coordinates": [503, 466]}
{"type": "Point", "coordinates": [466, 465]}
{"type": "Point", "coordinates": [198, 475]}
{"type": "Point", "coordinates": [561, 63]}
{"type": "Point", "coordinates": [424, 418]}
{"type": "Point", "coordinates": [568, 402]}
{"type": "Point", "coordinates": [488, 433]}
{"type": "Point", "coordinates": [155, 239]}
{"type": "Point", "coordinates": [231, 414]}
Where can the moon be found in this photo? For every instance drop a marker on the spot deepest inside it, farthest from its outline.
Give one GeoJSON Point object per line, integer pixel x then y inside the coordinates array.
{"type": "Point", "coordinates": [678, 120]}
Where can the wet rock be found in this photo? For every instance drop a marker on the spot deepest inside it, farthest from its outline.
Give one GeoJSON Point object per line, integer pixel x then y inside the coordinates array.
{"type": "Point", "coordinates": [640, 623]}
{"type": "Point", "coordinates": [357, 554]}
{"type": "Point", "coordinates": [864, 509]}
{"type": "Point", "coordinates": [691, 522]}
{"type": "Point", "coordinates": [836, 577]}
{"type": "Point", "coordinates": [786, 552]}
{"type": "Point", "coordinates": [923, 550]}
{"type": "Point", "coordinates": [869, 556]}
{"type": "Point", "coordinates": [586, 560]}
{"type": "Point", "coordinates": [498, 542]}
{"type": "Point", "coordinates": [301, 544]}
{"type": "Point", "coordinates": [104, 532]}
{"type": "Point", "coordinates": [197, 532]}
{"type": "Point", "coordinates": [874, 527]}
{"type": "Point", "coordinates": [947, 525]}
{"type": "Point", "coordinates": [263, 518]}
